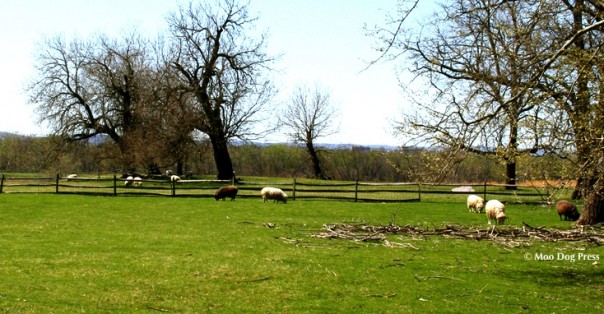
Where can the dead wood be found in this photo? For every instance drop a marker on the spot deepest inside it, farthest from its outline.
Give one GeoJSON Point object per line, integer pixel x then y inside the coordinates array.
{"type": "Point", "coordinates": [510, 236]}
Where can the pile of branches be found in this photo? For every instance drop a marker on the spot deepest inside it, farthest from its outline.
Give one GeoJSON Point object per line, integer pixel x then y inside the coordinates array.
{"type": "Point", "coordinates": [507, 235]}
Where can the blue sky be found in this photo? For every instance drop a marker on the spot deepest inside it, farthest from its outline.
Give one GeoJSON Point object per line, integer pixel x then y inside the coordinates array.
{"type": "Point", "coordinates": [321, 42]}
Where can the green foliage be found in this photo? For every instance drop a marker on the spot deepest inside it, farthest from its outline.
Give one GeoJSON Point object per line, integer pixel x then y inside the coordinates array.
{"type": "Point", "coordinates": [69, 253]}
{"type": "Point", "coordinates": [49, 155]}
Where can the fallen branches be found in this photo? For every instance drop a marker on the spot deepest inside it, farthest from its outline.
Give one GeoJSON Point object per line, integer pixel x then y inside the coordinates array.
{"type": "Point", "coordinates": [507, 235]}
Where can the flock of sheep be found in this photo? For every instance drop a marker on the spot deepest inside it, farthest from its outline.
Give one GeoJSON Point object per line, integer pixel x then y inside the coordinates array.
{"type": "Point", "coordinates": [495, 210]}
{"type": "Point", "coordinates": [230, 191]}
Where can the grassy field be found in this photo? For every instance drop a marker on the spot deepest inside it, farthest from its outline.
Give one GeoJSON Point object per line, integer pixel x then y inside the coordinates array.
{"type": "Point", "coordinates": [73, 253]}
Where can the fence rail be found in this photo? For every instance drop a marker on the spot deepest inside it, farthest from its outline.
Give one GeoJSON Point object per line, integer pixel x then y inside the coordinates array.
{"type": "Point", "coordinates": [296, 189]}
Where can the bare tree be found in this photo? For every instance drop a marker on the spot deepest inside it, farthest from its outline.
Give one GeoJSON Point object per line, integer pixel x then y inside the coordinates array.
{"type": "Point", "coordinates": [559, 76]}
{"type": "Point", "coordinates": [309, 116]}
{"type": "Point", "coordinates": [221, 71]}
{"type": "Point", "coordinates": [476, 58]}
{"type": "Point", "coordinates": [86, 88]}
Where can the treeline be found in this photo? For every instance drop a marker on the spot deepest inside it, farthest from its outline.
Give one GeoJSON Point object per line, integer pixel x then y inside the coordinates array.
{"type": "Point", "coordinates": [55, 156]}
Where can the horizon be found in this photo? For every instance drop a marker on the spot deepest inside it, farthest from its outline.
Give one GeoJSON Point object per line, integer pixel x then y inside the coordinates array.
{"type": "Point", "coordinates": [4, 134]}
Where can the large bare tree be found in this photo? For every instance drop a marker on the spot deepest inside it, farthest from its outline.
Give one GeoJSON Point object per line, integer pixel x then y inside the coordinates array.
{"type": "Point", "coordinates": [576, 82]}
{"type": "Point", "coordinates": [122, 88]}
{"type": "Point", "coordinates": [84, 88]}
{"type": "Point", "coordinates": [476, 55]}
{"type": "Point", "coordinates": [560, 81]}
{"type": "Point", "coordinates": [220, 67]}
{"type": "Point", "coordinates": [309, 116]}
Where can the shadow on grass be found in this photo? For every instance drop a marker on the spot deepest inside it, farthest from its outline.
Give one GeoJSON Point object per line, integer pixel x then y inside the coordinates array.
{"type": "Point", "coordinates": [571, 275]}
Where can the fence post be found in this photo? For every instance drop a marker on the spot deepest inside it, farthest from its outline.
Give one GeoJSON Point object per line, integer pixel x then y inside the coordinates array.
{"type": "Point", "coordinates": [294, 190]}
{"type": "Point", "coordinates": [114, 185]}
{"type": "Point", "coordinates": [419, 191]}
{"type": "Point", "coordinates": [484, 191]}
{"type": "Point", "coordinates": [2, 183]}
{"type": "Point", "coordinates": [356, 190]}
{"type": "Point", "coordinates": [173, 187]}
{"type": "Point", "coordinates": [57, 184]}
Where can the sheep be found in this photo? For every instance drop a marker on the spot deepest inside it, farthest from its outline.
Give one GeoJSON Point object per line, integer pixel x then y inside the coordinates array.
{"type": "Point", "coordinates": [129, 180]}
{"type": "Point", "coordinates": [226, 191]}
{"type": "Point", "coordinates": [174, 178]}
{"type": "Point", "coordinates": [462, 189]}
{"type": "Point", "coordinates": [275, 194]}
{"type": "Point", "coordinates": [475, 203]}
{"type": "Point", "coordinates": [138, 181]}
{"type": "Point", "coordinates": [495, 210]}
{"type": "Point", "coordinates": [568, 210]}
{"type": "Point", "coordinates": [72, 176]}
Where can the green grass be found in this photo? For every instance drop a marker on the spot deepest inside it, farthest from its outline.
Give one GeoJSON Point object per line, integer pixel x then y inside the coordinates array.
{"type": "Point", "coordinates": [72, 253]}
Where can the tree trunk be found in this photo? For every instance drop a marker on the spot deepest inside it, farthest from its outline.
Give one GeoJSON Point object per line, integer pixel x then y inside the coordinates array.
{"type": "Point", "coordinates": [582, 188]}
{"type": "Point", "coordinates": [314, 158]}
{"type": "Point", "coordinates": [222, 157]}
{"type": "Point", "coordinates": [180, 167]}
{"type": "Point", "coordinates": [512, 151]}
{"type": "Point", "coordinates": [510, 176]}
{"type": "Point", "coordinates": [593, 208]}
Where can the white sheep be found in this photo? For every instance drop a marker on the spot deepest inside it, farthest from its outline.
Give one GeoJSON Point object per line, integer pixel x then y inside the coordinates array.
{"type": "Point", "coordinates": [475, 203]}
{"type": "Point", "coordinates": [275, 194]}
{"type": "Point", "coordinates": [138, 181]}
{"type": "Point", "coordinates": [72, 176]}
{"type": "Point", "coordinates": [495, 210]}
{"type": "Point", "coordinates": [174, 178]}
{"type": "Point", "coordinates": [129, 180]}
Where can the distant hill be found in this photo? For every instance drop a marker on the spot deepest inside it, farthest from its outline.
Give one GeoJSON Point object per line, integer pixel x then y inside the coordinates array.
{"type": "Point", "coordinates": [353, 147]}
{"type": "Point", "coordinates": [101, 138]}
{"type": "Point", "coordinates": [6, 134]}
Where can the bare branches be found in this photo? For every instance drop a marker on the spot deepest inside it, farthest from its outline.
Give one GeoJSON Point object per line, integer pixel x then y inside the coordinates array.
{"type": "Point", "coordinates": [390, 37]}
{"type": "Point", "coordinates": [309, 116]}
{"type": "Point", "coordinates": [221, 70]}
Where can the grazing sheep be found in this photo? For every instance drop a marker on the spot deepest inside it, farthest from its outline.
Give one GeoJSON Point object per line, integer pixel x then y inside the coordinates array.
{"type": "Point", "coordinates": [129, 180]}
{"type": "Point", "coordinates": [72, 176]}
{"type": "Point", "coordinates": [475, 203]}
{"type": "Point", "coordinates": [495, 210]}
{"type": "Point", "coordinates": [226, 191]}
{"type": "Point", "coordinates": [174, 178]}
{"type": "Point", "coordinates": [138, 181]}
{"type": "Point", "coordinates": [275, 194]}
{"type": "Point", "coordinates": [568, 210]}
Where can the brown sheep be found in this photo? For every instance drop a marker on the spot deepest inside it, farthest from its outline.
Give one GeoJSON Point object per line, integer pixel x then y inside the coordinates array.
{"type": "Point", "coordinates": [568, 210]}
{"type": "Point", "coordinates": [226, 191]}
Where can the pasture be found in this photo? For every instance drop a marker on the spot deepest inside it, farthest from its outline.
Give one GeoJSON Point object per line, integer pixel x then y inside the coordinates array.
{"type": "Point", "coordinates": [101, 254]}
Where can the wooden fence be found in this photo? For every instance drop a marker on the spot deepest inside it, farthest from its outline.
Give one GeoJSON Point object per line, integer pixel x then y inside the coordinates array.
{"type": "Point", "coordinates": [297, 189]}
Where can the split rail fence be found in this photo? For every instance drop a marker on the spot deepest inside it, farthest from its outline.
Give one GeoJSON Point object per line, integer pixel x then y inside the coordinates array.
{"type": "Point", "coordinates": [297, 189]}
